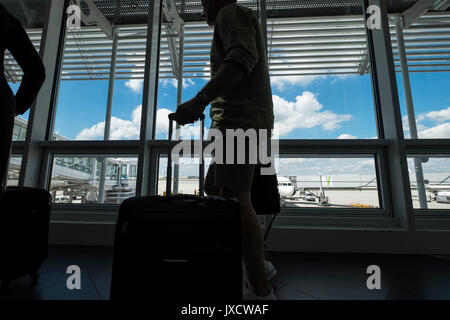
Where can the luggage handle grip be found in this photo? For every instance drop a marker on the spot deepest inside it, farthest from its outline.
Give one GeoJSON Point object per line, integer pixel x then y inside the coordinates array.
{"type": "Point", "coordinates": [171, 117]}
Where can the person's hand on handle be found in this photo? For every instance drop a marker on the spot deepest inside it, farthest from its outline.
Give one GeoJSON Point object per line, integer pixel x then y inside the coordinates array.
{"type": "Point", "coordinates": [189, 112]}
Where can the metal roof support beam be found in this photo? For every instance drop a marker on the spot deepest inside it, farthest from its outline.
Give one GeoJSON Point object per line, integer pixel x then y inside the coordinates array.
{"type": "Point", "coordinates": [410, 110]}
{"type": "Point", "coordinates": [112, 75]}
{"type": "Point", "coordinates": [389, 122]}
{"type": "Point", "coordinates": [95, 17]}
{"type": "Point", "coordinates": [172, 43]}
{"type": "Point", "coordinates": [147, 161]}
{"type": "Point", "coordinates": [173, 28]}
{"type": "Point", "coordinates": [422, 6]}
{"type": "Point", "coordinates": [176, 171]}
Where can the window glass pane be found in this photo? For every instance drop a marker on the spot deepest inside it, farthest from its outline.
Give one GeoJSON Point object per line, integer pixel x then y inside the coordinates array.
{"type": "Point", "coordinates": [436, 183]}
{"type": "Point", "coordinates": [320, 76]}
{"type": "Point", "coordinates": [345, 182]}
{"type": "Point", "coordinates": [188, 182]}
{"type": "Point", "coordinates": [15, 163]}
{"type": "Point", "coordinates": [78, 179]}
{"type": "Point", "coordinates": [426, 41]}
{"type": "Point", "coordinates": [303, 181]}
{"type": "Point", "coordinates": [83, 88]}
{"type": "Point", "coordinates": [128, 85]}
{"type": "Point", "coordinates": [197, 43]}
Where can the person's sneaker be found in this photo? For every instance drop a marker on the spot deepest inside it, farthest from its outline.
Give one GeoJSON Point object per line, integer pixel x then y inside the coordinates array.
{"type": "Point", "coordinates": [250, 294]}
{"type": "Point", "coordinates": [270, 270]}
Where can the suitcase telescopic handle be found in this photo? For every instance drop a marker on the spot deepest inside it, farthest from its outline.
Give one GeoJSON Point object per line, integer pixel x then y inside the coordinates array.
{"type": "Point", "coordinates": [169, 156]}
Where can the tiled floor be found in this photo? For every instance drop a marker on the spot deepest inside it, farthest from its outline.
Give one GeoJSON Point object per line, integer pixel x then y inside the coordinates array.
{"type": "Point", "coordinates": [301, 276]}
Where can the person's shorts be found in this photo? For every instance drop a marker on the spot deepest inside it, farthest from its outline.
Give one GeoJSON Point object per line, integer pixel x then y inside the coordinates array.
{"type": "Point", "coordinates": [234, 177]}
{"type": "Point", "coordinates": [237, 178]}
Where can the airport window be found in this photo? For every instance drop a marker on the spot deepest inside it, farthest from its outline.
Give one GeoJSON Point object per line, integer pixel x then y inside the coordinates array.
{"type": "Point", "coordinates": [197, 40]}
{"type": "Point", "coordinates": [426, 42]}
{"type": "Point", "coordinates": [320, 75]}
{"type": "Point", "coordinates": [14, 170]}
{"type": "Point", "coordinates": [20, 129]}
{"type": "Point", "coordinates": [128, 84]}
{"type": "Point", "coordinates": [321, 88]}
{"type": "Point", "coordinates": [77, 179]}
{"type": "Point", "coordinates": [188, 175]}
{"type": "Point", "coordinates": [434, 188]}
{"type": "Point", "coordinates": [83, 88]}
{"type": "Point", "coordinates": [328, 182]}
{"type": "Point", "coordinates": [82, 103]}
{"type": "Point", "coordinates": [133, 171]}
{"type": "Point", "coordinates": [13, 74]}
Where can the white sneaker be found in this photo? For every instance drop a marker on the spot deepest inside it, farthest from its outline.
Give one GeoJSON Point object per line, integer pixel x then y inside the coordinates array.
{"type": "Point", "coordinates": [270, 270]}
{"type": "Point", "coordinates": [249, 294]}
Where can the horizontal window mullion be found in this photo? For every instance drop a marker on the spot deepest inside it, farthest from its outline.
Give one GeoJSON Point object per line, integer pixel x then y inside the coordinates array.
{"type": "Point", "coordinates": [17, 147]}
{"type": "Point", "coordinates": [91, 147]}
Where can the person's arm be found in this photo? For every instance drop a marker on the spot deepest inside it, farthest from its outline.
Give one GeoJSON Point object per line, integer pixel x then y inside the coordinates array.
{"type": "Point", "coordinates": [29, 60]}
{"type": "Point", "coordinates": [229, 75]}
{"type": "Point", "coordinates": [237, 35]}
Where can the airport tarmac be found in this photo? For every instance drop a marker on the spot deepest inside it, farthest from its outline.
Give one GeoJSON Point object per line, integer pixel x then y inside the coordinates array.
{"type": "Point", "coordinates": [346, 198]}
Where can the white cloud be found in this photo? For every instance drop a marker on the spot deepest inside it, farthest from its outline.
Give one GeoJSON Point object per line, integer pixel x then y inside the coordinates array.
{"type": "Point", "coordinates": [419, 126]}
{"type": "Point", "coordinates": [174, 82]}
{"type": "Point", "coordinates": [282, 81]}
{"type": "Point", "coordinates": [130, 129]}
{"type": "Point", "coordinates": [338, 77]}
{"type": "Point", "coordinates": [347, 136]}
{"type": "Point", "coordinates": [305, 113]}
{"type": "Point", "coordinates": [120, 128]}
{"type": "Point", "coordinates": [440, 131]}
{"type": "Point", "coordinates": [436, 116]}
{"type": "Point", "coordinates": [135, 85]}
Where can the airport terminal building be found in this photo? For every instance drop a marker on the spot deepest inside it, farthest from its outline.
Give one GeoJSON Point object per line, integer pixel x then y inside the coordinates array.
{"type": "Point", "coordinates": [361, 103]}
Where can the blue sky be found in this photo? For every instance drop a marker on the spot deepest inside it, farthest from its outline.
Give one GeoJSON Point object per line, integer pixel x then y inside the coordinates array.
{"type": "Point", "coordinates": [82, 104]}
{"type": "Point", "coordinates": [329, 107]}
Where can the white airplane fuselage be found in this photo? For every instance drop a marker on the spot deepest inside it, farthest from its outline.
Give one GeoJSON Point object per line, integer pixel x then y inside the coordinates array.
{"type": "Point", "coordinates": [285, 187]}
{"type": "Point", "coordinates": [437, 188]}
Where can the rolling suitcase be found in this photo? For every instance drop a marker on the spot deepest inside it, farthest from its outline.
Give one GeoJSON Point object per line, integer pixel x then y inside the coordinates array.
{"type": "Point", "coordinates": [178, 248]}
{"type": "Point", "coordinates": [24, 224]}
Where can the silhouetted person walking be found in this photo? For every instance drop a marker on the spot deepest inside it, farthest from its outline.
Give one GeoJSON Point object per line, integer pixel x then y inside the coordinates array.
{"type": "Point", "coordinates": [14, 38]}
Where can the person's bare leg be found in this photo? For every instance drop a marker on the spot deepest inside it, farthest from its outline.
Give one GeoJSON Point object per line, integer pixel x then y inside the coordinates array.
{"type": "Point", "coordinates": [253, 244]}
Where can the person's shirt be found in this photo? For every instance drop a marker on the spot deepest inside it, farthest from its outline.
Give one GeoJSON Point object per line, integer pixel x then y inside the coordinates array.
{"type": "Point", "coordinates": [14, 38]}
{"type": "Point", "coordinates": [238, 37]}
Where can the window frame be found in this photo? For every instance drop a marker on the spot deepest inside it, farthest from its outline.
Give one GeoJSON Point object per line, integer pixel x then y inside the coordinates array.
{"type": "Point", "coordinates": [148, 150]}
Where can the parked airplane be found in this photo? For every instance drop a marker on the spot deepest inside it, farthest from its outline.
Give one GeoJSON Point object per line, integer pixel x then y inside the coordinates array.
{"type": "Point", "coordinates": [441, 191]}
{"type": "Point", "coordinates": [285, 187]}
{"type": "Point", "coordinates": [436, 188]}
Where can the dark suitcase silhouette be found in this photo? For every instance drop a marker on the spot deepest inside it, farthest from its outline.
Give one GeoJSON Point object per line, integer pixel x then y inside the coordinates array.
{"type": "Point", "coordinates": [178, 248]}
{"type": "Point", "coordinates": [25, 214]}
